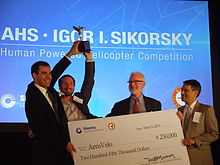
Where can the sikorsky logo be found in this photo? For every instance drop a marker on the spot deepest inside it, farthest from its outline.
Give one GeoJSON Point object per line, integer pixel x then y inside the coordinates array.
{"type": "Point", "coordinates": [7, 100]}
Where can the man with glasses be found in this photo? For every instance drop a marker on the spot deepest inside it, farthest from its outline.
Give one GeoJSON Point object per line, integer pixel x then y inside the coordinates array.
{"type": "Point", "coordinates": [137, 102]}
{"type": "Point", "coordinates": [199, 124]}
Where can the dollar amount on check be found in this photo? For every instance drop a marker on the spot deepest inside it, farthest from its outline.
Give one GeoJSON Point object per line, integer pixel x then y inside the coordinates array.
{"type": "Point", "coordinates": [151, 138]}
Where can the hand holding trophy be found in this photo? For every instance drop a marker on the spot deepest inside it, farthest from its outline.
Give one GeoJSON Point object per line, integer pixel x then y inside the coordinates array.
{"type": "Point", "coordinates": [84, 46]}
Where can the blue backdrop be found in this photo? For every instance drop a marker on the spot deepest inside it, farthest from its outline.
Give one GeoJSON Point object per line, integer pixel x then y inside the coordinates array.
{"type": "Point", "coordinates": [168, 41]}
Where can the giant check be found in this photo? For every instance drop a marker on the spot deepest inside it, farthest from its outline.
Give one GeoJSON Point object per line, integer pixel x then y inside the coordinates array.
{"type": "Point", "coordinates": [138, 139]}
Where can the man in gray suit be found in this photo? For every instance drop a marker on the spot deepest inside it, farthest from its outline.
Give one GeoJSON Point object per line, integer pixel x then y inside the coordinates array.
{"type": "Point", "coordinates": [199, 124]}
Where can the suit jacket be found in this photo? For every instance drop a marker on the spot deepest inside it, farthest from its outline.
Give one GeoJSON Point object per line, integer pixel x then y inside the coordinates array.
{"type": "Point", "coordinates": [51, 136]}
{"type": "Point", "coordinates": [123, 107]}
{"type": "Point", "coordinates": [86, 90]}
{"type": "Point", "coordinates": [204, 133]}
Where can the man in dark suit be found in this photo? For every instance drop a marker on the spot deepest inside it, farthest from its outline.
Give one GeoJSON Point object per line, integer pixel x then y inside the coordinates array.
{"type": "Point", "coordinates": [137, 102]}
{"type": "Point", "coordinates": [199, 124]}
{"type": "Point", "coordinates": [46, 116]}
{"type": "Point", "coordinates": [76, 106]}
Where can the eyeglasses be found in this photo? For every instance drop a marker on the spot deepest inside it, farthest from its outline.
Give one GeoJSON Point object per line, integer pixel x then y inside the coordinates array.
{"type": "Point", "coordinates": [187, 90]}
{"type": "Point", "coordinates": [135, 81]}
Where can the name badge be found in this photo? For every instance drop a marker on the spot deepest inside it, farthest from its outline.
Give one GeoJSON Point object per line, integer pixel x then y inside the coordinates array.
{"type": "Point", "coordinates": [196, 117]}
{"type": "Point", "coordinates": [77, 99]}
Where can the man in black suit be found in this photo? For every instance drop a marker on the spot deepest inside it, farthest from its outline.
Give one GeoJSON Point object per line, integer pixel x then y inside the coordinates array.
{"type": "Point", "coordinates": [137, 102]}
{"type": "Point", "coordinates": [76, 106]}
{"type": "Point", "coordinates": [46, 116]}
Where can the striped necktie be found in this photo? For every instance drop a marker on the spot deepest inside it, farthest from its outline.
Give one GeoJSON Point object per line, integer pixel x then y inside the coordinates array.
{"type": "Point", "coordinates": [186, 119]}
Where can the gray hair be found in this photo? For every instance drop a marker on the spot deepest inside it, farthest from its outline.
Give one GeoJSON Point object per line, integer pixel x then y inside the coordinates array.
{"type": "Point", "coordinates": [138, 73]}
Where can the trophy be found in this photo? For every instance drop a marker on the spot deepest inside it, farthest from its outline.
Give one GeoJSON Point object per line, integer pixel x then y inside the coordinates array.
{"type": "Point", "coordinates": [84, 46]}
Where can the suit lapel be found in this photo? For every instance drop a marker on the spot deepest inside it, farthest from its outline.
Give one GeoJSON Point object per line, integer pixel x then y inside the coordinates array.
{"type": "Point", "coordinates": [146, 104]}
{"type": "Point", "coordinates": [191, 124]}
{"type": "Point", "coordinates": [43, 99]}
{"type": "Point", "coordinates": [40, 96]}
{"type": "Point", "coordinates": [195, 109]}
{"type": "Point", "coordinates": [126, 108]}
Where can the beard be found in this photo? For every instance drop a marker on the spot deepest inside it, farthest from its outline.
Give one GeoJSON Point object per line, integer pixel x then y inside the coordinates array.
{"type": "Point", "coordinates": [68, 92]}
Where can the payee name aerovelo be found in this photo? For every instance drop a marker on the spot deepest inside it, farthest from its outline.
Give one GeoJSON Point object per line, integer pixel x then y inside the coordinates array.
{"type": "Point", "coordinates": [100, 145]}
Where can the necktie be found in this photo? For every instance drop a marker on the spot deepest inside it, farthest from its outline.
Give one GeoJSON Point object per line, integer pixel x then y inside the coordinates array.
{"type": "Point", "coordinates": [54, 104]}
{"type": "Point", "coordinates": [186, 120]}
{"type": "Point", "coordinates": [136, 108]}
